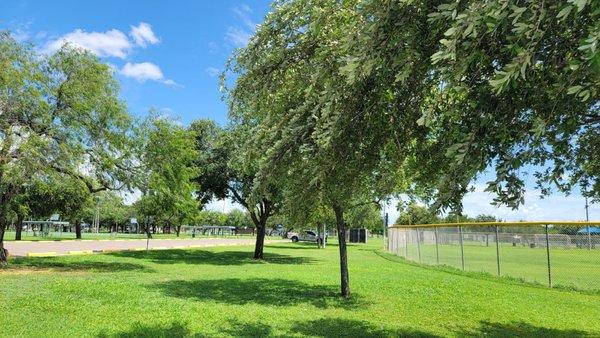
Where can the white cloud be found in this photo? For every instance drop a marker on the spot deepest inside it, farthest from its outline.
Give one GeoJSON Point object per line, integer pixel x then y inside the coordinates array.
{"type": "Point", "coordinates": [241, 34]}
{"type": "Point", "coordinates": [242, 13]}
{"type": "Point", "coordinates": [212, 71]}
{"type": "Point", "coordinates": [145, 71]}
{"type": "Point", "coordinates": [237, 36]}
{"type": "Point", "coordinates": [143, 35]}
{"type": "Point", "coordinates": [112, 43]}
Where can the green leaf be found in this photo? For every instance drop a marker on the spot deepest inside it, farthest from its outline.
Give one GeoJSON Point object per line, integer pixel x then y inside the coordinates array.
{"type": "Point", "coordinates": [574, 89]}
{"type": "Point", "coordinates": [564, 13]}
{"type": "Point", "coordinates": [579, 3]}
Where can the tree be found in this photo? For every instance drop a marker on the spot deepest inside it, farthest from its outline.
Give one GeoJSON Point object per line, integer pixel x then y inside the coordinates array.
{"type": "Point", "coordinates": [239, 219]}
{"type": "Point", "coordinates": [110, 207]}
{"type": "Point", "coordinates": [59, 115]}
{"type": "Point", "coordinates": [414, 213]}
{"type": "Point", "coordinates": [311, 126]}
{"type": "Point", "coordinates": [228, 170]}
{"type": "Point", "coordinates": [167, 156]}
{"type": "Point", "coordinates": [517, 92]}
{"type": "Point", "coordinates": [209, 217]}
{"type": "Point", "coordinates": [43, 196]}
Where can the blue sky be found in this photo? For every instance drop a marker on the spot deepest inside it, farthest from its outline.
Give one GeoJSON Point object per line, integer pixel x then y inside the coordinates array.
{"type": "Point", "coordinates": [168, 54]}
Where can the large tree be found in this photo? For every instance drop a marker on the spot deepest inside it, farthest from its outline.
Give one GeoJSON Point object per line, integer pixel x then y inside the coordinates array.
{"type": "Point", "coordinates": [43, 196]}
{"type": "Point", "coordinates": [518, 93]}
{"type": "Point", "coordinates": [228, 167]}
{"type": "Point", "coordinates": [312, 119]}
{"type": "Point", "coordinates": [59, 115]}
{"type": "Point", "coordinates": [167, 154]}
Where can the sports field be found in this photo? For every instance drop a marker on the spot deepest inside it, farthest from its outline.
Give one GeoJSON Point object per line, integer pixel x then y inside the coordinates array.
{"type": "Point", "coordinates": [577, 268]}
{"type": "Point", "coordinates": [222, 292]}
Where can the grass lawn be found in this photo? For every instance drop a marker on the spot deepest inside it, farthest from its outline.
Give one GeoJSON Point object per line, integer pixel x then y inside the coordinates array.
{"type": "Point", "coordinates": [221, 292]}
{"type": "Point", "coordinates": [571, 268]}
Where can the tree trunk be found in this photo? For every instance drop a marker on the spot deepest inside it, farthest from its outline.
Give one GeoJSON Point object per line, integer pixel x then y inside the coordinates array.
{"type": "Point", "coordinates": [147, 229]}
{"type": "Point", "coordinates": [19, 228]}
{"type": "Point", "coordinates": [178, 230]}
{"type": "Point", "coordinates": [3, 251]}
{"type": "Point", "coordinates": [260, 240]}
{"type": "Point", "coordinates": [341, 229]}
{"type": "Point", "coordinates": [78, 229]}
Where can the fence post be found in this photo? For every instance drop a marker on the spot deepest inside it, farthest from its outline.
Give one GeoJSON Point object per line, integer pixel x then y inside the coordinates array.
{"type": "Point", "coordinates": [406, 231]}
{"type": "Point", "coordinates": [497, 251]}
{"type": "Point", "coordinates": [589, 238]}
{"type": "Point", "coordinates": [418, 244]}
{"type": "Point", "coordinates": [548, 257]}
{"type": "Point", "coordinates": [437, 250]}
{"type": "Point", "coordinates": [462, 251]}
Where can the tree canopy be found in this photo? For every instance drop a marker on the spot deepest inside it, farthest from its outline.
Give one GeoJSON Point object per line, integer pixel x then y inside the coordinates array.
{"type": "Point", "coordinates": [60, 116]}
{"type": "Point", "coordinates": [168, 167]}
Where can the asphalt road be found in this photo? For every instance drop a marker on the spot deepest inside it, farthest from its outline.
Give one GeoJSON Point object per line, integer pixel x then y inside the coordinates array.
{"type": "Point", "coordinates": [53, 248]}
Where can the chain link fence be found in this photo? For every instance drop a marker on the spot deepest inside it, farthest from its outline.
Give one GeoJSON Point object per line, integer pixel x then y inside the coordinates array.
{"type": "Point", "coordinates": [563, 254]}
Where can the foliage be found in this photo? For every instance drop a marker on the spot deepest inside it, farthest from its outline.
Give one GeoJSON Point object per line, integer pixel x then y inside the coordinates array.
{"type": "Point", "coordinates": [112, 210]}
{"type": "Point", "coordinates": [167, 156]}
{"type": "Point", "coordinates": [518, 86]}
{"type": "Point", "coordinates": [414, 213]}
{"type": "Point", "coordinates": [228, 170]}
{"type": "Point", "coordinates": [239, 219]}
{"type": "Point", "coordinates": [60, 116]}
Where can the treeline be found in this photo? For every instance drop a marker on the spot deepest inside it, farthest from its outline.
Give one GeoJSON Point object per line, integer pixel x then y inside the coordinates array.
{"type": "Point", "coordinates": [413, 213]}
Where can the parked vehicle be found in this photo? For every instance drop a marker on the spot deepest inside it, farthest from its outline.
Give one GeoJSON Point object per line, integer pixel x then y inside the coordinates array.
{"type": "Point", "coordinates": [306, 236]}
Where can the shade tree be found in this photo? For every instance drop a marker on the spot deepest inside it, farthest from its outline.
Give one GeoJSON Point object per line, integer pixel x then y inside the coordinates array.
{"type": "Point", "coordinates": [167, 158]}
{"type": "Point", "coordinates": [60, 114]}
{"type": "Point", "coordinates": [229, 166]}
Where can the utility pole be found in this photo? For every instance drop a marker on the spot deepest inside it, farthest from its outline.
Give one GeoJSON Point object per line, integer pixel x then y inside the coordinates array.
{"type": "Point", "coordinates": [587, 212]}
{"type": "Point", "coordinates": [385, 226]}
{"type": "Point", "coordinates": [385, 221]}
{"type": "Point", "coordinates": [587, 217]}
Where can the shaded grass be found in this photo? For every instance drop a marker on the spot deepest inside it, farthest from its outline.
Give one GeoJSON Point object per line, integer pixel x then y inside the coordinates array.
{"type": "Point", "coordinates": [210, 257]}
{"type": "Point", "coordinates": [263, 291]}
{"type": "Point", "coordinates": [221, 291]}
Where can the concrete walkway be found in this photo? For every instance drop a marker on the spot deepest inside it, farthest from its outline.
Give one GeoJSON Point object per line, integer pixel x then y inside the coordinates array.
{"type": "Point", "coordinates": [74, 247]}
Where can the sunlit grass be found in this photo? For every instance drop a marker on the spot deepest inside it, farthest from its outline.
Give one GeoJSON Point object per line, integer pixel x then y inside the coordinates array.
{"type": "Point", "coordinates": [223, 292]}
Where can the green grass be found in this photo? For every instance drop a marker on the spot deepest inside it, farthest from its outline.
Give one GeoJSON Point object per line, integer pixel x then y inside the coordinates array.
{"type": "Point", "coordinates": [56, 236]}
{"type": "Point", "coordinates": [570, 268]}
{"type": "Point", "coordinates": [222, 292]}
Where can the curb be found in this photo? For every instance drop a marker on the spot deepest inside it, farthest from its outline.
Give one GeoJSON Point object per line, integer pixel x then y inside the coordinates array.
{"type": "Point", "coordinates": [42, 254]}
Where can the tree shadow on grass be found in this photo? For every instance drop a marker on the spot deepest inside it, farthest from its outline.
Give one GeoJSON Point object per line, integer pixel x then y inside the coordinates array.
{"type": "Point", "coordinates": [519, 329]}
{"type": "Point", "coordinates": [328, 327]}
{"type": "Point", "coordinates": [263, 291]}
{"type": "Point", "coordinates": [59, 265]}
{"type": "Point", "coordinates": [296, 246]}
{"type": "Point", "coordinates": [174, 330]}
{"type": "Point", "coordinates": [211, 257]}
{"type": "Point", "coordinates": [335, 327]}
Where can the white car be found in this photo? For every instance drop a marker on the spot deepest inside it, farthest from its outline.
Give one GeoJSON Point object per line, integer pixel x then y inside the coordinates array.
{"type": "Point", "coordinates": [306, 236]}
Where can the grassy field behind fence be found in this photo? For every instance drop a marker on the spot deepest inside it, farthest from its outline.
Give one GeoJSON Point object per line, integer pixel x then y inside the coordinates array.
{"type": "Point", "coordinates": [223, 292]}
{"type": "Point", "coordinates": [574, 268]}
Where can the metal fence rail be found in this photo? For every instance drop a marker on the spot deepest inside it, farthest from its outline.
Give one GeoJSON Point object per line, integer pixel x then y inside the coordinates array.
{"type": "Point", "coordinates": [553, 253]}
